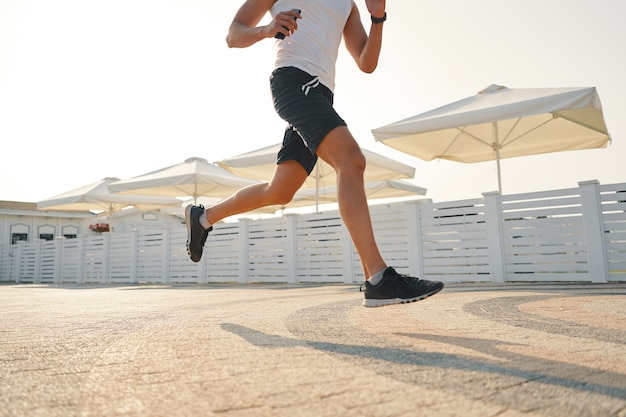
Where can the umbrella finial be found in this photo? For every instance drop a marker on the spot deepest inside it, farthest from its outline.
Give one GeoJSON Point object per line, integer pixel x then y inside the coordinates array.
{"type": "Point", "coordinates": [195, 158]}
{"type": "Point", "coordinates": [492, 89]}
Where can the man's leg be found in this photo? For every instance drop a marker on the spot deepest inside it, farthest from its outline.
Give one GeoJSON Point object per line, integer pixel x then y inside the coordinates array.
{"type": "Point", "coordinates": [287, 179]}
{"type": "Point", "coordinates": [341, 151]}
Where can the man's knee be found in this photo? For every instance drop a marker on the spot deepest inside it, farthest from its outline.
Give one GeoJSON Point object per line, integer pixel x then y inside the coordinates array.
{"type": "Point", "coordinates": [342, 151]}
{"type": "Point", "coordinates": [281, 197]}
{"type": "Point", "coordinates": [359, 161]}
{"type": "Point", "coordinates": [286, 181]}
{"type": "Point", "coordinates": [352, 160]}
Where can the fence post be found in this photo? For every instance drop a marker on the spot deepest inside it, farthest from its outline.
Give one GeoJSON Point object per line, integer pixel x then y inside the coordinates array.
{"type": "Point", "coordinates": [292, 243]}
{"type": "Point", "coordinates": [58, 274]}
{"type": "Point", "coordinates": [58, 259]}
{"type": "Point", "coordinates": [597, 262]}
{"type": "Point", "coordinates": [17, 259]}
{"type": "Point", "coordinates": [80, 270]}
{"type": "Point", "coordinates": [37, 263]}
{"type": "Point", "coordinates": [244, 259]}
{"type": "Point", "coordinates": [106, 258]}
{"type": "Point", "coordinates": [414, 236]}
{"type": "Point", "coordinates": [495, 238]}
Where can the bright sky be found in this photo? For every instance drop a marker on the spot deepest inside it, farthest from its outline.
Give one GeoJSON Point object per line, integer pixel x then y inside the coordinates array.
{"type": "Point", "coordinates": [92, 89]}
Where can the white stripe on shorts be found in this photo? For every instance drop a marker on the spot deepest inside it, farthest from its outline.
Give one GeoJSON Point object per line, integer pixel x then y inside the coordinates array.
{"type": "Point", "coordinates": [311, 84]}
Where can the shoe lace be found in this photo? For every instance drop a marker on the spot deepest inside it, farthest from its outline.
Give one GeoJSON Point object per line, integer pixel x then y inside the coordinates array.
{"type": "Point", "coordinates": [408, 280]}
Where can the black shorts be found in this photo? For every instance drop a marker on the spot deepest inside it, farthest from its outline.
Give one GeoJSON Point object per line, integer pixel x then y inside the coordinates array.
{"type": "Point", "coordinates": [307, 107]}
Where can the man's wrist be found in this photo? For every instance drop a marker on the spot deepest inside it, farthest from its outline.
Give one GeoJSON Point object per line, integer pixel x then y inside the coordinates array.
{"type": "Point", "coordinates": [378, 20]}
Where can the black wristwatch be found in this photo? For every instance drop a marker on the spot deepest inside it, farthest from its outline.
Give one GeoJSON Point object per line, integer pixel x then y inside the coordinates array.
{"type": "Point", "coordinates": [379, 19]}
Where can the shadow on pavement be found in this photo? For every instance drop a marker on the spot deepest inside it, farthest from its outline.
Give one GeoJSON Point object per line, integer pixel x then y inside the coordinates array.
{"type": "Point", "coordinates": [450, 361]}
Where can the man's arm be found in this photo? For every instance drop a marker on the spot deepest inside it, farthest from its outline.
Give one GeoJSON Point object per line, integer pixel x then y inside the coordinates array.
{"type": "Point", "coordinates": [243, 30]}
{"type": "Point", "coordinates": [364, 48]}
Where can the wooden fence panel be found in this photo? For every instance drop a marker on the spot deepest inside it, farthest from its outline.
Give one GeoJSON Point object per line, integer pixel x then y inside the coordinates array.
{"type": "Point", "coordinates": [320, 247]}
{"type": "Point", "coordinates": [122, 258]}
{"type": "Point", "coordinates": [28, 260]}
{"type": "Point", "coordinates": [391, 230]}
{"type": "Point", "coordinates": [454, 241]}
{"type": "Point", "coordinates": [71, 270]}
{"type": "Point", "coordinates": [95, 259]}
{"type": "Point", "coordinates": [267, 259]}
{"type": "Point", "coordinates": [48, 261]}
{"type": "Point", "coordinates": [223, 258]}
{"type": "Point", "coordinates": [544, 237]}
{"type": "Point", "coordinates": [151, 256]}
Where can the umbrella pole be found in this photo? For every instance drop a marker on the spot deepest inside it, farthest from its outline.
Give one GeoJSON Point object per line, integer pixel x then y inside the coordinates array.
{"type": "Point", "coordinates": [499, 173]}
{"type": "Point", "coordinates": [496, 146]}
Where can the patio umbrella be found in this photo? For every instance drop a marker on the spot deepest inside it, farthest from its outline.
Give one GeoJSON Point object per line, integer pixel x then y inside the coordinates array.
{"type": "Point", "coordinates": [500, 123]}
{"type": "Point", "coordinates": [96, 196]}
{"type": "Point", "coordinates": [195, 177]}
{"type": "Point", "coordinates": [260, 164]}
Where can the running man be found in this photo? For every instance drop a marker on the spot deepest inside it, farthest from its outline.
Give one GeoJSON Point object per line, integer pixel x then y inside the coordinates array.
{"type": "Point", "coordinates": [302, 85]}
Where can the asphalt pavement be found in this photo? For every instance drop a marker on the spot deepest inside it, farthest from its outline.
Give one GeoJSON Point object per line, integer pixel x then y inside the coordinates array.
{"type": "Point", "coordinates": [311, 350]}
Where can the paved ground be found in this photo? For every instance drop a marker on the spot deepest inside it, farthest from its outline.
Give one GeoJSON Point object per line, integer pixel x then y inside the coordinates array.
{"type": "Point", "coordinates": [284, 350]}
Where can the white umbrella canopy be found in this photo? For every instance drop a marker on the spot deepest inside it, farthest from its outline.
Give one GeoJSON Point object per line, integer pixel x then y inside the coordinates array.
{"type": "Point", "coordinates": [500, 123]}
{"type": "Point", "coordinates": [194, 177]}
{"type": "Point", "coordinates": [260, 164]}
{"type": "Point", "coordinates": [97, 197]}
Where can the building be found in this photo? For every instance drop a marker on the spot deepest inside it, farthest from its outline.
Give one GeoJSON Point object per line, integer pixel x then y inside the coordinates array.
{"type": "Point", "coordinates": [21, 221]}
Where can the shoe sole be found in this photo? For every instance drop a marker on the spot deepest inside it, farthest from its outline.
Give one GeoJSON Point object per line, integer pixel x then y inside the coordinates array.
{"type": "Point", "coordinates": [371, 302]}
{"type": "Point", "coordinates": [188, 223]}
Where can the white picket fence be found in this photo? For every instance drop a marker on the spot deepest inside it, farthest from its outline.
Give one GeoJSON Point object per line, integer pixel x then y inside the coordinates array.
{"type": "Point", "coordinates": [576, 234]}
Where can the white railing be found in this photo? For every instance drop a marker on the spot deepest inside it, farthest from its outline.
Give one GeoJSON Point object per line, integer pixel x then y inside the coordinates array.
{"type": "Point", "coordinates": [576, 234]}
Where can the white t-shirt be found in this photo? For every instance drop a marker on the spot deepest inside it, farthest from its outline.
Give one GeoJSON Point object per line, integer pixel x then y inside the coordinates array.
{"type": "Point", "coordinates": [315, 45]}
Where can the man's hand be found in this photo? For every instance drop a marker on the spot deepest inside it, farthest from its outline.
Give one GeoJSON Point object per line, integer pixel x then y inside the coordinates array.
{"type": "Point", "coordinates": [285, 22]}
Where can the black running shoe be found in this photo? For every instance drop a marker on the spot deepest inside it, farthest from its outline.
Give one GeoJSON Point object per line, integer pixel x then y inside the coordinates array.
{"type": "Point", "coordinates": [397, 289]}
{"type": "Point", "coordinates": [196, 234]}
